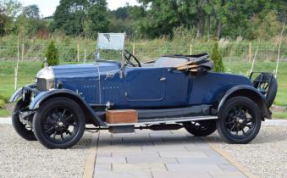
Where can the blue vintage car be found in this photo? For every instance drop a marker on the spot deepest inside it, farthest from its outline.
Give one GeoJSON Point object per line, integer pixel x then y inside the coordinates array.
{"type": "Point", "coordinates": [172, 92]}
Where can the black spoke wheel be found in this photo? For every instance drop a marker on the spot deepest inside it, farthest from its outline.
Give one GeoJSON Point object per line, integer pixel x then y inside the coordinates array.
{"type": "Point", "coordinates": [200, 128]}
{"type": "Point", "coordinates": [240, 120]}
{"type": "Point", "coordinates": [59, 123]}
{"type": "Point", "coordinates": [23, 130]}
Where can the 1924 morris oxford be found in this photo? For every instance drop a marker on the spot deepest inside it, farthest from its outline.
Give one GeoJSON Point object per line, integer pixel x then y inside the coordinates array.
{"type": "Point", "coordinates": [172, 92]}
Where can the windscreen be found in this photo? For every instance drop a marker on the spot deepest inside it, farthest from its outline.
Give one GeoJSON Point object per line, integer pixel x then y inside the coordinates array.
{"type": "Point", "coordinates": [111, 41]}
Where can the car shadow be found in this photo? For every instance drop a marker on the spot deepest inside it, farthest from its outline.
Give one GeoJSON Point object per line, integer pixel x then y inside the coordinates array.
{"type": "Point", "coordinates": [163, 139]}
{"type": "Point", "coordinates": [142, 140]}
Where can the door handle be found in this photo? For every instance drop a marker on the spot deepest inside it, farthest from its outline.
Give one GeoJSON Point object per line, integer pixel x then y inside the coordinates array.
{"type": "Point", "coordinates": [163, 79]}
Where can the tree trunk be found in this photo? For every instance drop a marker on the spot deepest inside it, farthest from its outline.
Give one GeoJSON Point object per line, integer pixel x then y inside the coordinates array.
{"type": "Point", "coordinates": [217, 29]}
{"type": "Point", "coordinates": [201, 22]}
{"type": "Point", "coordinates": [208, 26]}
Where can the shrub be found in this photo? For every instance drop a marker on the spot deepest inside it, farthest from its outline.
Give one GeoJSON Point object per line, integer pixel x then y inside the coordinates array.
{"type": "Point", "coordinates": [52, 54]}
{"type": "Point", "coordinates": [2, 104]}
{"type": "Point", "coordinates": [216, 57]}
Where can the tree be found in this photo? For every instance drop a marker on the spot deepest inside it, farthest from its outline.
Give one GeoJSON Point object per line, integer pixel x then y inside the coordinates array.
{"type": "Point", "coordinates": [29, 22]}
{"type": "Point", "coordinates": [216, 57]}
{"type": "Point", "coordinates": [4, 20]}
{"type": "Point", "coordinates": [81, 17]}
{"type": "Point", "coordinates": [8, 13]}
{"type": "Point", "coordinates": [125, 19]}
{"type": "Point", "coordinates": [31, 12]}
{"type": "Point", "coordinates": [52, 55]}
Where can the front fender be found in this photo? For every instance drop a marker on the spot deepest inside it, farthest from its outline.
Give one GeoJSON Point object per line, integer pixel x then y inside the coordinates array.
{"type": "Point", "coordinates": [18, 93]}
{"type": "Point", "coordinates": [16, 96]}
{"type": "Point", "coordinates": [44, 96]}
{"type": "Point", "coordinates": [247, 91]}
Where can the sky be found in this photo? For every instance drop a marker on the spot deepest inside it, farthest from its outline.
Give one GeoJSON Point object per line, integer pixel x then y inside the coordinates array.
{"type": "Point", "coordinates": [48, 7]}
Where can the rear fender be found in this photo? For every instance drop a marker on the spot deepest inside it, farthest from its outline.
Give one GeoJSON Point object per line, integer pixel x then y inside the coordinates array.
{"type": "Point", "coordinates": [249, 92]}
{"type": "Point", "coordinates": [47, 95]}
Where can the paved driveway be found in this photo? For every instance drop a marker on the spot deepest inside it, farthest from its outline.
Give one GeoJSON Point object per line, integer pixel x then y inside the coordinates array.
{"type": "Point", "coordinates": [162, 154]}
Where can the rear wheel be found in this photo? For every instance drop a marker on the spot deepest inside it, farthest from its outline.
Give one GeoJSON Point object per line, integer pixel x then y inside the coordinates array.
{"type": "Point", "coordinates": [59, 123]}
{"type": "Point", "coordinates": [23, 130]}
{"type": "Point", "coordinates": [200, 128]}
{"type": "Point", "coordinates": [240, 120]}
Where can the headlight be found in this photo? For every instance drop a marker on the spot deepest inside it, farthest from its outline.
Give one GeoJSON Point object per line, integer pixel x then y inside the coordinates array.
{"type": "Point", "coordinates": [45, 79]}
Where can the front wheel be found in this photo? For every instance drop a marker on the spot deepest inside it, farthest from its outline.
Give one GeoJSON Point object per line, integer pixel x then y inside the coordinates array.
{"type": "Point", "coordinates": [59, 123]}
{"type": "Point", "coordinates": [240, 120]}
{"type": "Point", "coordinates": [23, 130]}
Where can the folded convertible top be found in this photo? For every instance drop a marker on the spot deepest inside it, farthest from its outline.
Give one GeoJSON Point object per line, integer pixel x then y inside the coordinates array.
{"type": "Point", "coordinates": [194, 63]}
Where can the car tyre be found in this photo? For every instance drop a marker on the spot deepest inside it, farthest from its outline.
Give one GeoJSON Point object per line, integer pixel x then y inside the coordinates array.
{"type": "Point", "coordinates": [59, 123]}
{"type": "Point", "coordinates": [21, 129]}
{"type": "Point", "coordinates": [200, 128]}
{"type": "Point", "coordinates": [240, 120]}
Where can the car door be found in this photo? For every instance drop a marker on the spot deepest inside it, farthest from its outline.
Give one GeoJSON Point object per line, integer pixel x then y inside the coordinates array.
{"type": "Point", "coordinates": [145, 84]}
{"type": "Point", "coordinates": [178, 88]}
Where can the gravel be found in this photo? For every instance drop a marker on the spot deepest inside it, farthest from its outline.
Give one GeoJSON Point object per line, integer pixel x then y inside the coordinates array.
{"type": "Point", "coordinates": [20, 158]}
{"type": "Point", "coordinates": [265, 156]}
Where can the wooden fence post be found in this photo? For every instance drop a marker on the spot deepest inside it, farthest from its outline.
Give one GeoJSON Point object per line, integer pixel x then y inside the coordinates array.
{"type": "Point", "coordinates": [250, 51]}
{"type": "Point", "coordinates": [16, 76]}
{"type": "Point", "coordinates": [17, 65]}
{"type": "Point", "coordinates": [78, 52]}
{"type": "Point", "coordinates": [134, 49]}
{"type": "Point", "coordinates": [23, 51]}
{"type": "Point", "coordinates": [85, 58]}
{"type": "Point", "coordinates": [190, 49]}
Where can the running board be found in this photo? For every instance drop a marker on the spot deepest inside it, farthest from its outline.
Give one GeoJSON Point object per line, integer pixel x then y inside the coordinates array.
{"type": "Point", "coordinates": [163, 121]}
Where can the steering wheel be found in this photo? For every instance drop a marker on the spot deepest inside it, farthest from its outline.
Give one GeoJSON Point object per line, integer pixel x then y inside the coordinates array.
{"type": "Point", "coordinates": [128, 56]}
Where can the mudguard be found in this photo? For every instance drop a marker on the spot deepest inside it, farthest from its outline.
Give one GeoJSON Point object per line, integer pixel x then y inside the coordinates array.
{"type": "Point", "coordinates": [250, 92]}
{"type": "Point", "coordinates": [43, 96]}
{"type": "Point", "coordinates": [18, 93]}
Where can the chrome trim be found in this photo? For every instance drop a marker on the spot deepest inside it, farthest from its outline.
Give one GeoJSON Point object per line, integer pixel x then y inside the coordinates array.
{"type": "Point", "coordinates": [46, 73]}
{"type": "Point", "coordinates": [166, 121]}
{"type": "Point", "coordinates": [100, 89]}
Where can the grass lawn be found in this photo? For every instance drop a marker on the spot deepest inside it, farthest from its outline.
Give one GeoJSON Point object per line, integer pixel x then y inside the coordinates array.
{"type": "Point", "coordinates": [4, 112]}
{"type": "Point", "coordinates": [28, 70]}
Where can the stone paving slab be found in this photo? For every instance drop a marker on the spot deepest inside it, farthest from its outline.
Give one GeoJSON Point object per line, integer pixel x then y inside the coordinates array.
{"type": "Point", "coordinates": [160, 154]}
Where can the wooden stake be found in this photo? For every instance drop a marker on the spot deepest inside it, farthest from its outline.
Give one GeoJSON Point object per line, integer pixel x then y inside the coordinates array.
{"type": "Point", "coordinates": [279, 48]}
{"type": "Point", "coordinates": [23, 51]}
{"type": "Point", "coordinates": [16, 76]}
{"type": "Point", "coordinates": [255, 55]}
{"type": "Point", "coordinates": [250, 51]}
{"type": "Point", "coordinates": [17, 65]}
{"type": "Point", "coordinates": [134, 48]}
{"type": "Point", "coordinates": [190, 49]}
{"type": "Point", "coordinates": [85, 58]}
{"type": "Point", "coordinates": [78, 52]}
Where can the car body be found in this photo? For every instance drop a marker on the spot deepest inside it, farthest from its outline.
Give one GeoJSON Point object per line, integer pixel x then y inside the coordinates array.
{"type": "Point", "coordinates": [162, 97]}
